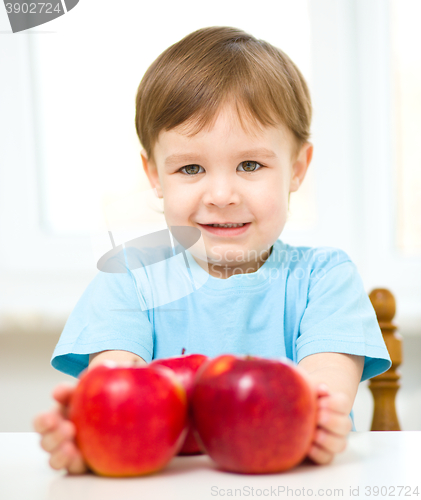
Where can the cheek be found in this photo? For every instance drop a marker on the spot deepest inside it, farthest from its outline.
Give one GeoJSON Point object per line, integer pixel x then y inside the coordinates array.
{"type": "Point", "coordinates": [271, 193]}
{"type": "Point", "coordinates": [179, 202]}
{"type": "Point", "coordinates": [273, 205]}
{"type": "Point", "coordinates": [271, 216]}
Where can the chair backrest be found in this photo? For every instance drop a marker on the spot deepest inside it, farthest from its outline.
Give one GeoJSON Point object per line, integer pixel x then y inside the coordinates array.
{"type": "Point", "coordinates": [385, 386]}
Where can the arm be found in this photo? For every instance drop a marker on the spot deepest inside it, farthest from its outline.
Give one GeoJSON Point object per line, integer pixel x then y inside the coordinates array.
{"type": "Point", "coordinates": [121, 357]}
{"type": "Point", "coordinates": [341, 375]}
{"type": "Point", "coordinates": [340, 372]}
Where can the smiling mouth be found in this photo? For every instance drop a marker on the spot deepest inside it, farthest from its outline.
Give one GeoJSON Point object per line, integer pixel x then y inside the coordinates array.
{"type": "Point", "coordinates": [226, 230]}
{"type": "Point", "coordinates": [227, 224]}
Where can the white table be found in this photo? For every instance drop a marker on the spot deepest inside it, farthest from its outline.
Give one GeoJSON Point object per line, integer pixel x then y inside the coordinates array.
{"type": "Point", "coordinates": [382, 459]}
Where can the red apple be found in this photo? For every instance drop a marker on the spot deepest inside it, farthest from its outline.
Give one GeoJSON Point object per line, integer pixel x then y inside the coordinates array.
{"type": "Point", "coordinates": [185, 367]}
{"type": "Point", "coordinates": [129, 421]}
{"type": "Point", "coordinates": [254, 415]}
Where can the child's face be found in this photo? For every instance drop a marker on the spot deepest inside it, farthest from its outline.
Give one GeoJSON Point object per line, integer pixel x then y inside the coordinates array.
{"type": "Point", "coordinates": [226, 177]}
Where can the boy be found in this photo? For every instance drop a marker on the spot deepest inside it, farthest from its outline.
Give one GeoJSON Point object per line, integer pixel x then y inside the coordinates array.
{"type": "Point", "coordinates": [224, 120]}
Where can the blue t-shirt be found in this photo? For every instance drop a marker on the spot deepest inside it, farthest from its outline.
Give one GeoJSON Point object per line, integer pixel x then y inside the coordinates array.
{"type": "Point", "coordinates": [301, 301]}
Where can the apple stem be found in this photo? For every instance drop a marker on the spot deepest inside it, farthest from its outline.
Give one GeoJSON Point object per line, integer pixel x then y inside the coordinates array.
{"type": "Point", "coordinates": [183, 350]}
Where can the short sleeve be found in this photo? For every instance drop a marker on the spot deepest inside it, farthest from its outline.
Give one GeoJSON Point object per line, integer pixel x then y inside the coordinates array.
{"type": "Point", "coordinates": [339, 317]}
{"type": "Point", "coordinates": [108, 316]}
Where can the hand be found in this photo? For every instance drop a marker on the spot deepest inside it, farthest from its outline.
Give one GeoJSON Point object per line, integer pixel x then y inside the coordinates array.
{"type": "Point", "coordinates": [334, 425]}
{"type": "Point", "coordinates": [58, 433]}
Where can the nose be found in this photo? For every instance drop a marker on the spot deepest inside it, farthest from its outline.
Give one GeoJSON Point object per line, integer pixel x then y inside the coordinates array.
{"type": "Point", "coordinates": [221, 190]}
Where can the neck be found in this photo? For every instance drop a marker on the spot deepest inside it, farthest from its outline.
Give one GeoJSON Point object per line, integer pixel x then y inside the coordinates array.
{"type": "Point", "coordinates": [224, 272]}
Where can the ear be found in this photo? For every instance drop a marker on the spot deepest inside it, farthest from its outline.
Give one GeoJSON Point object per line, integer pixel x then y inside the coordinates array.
{"type": "Point", "coordinates": [152, 173]}
{"type": "Point", "coordinates": [300, 166]}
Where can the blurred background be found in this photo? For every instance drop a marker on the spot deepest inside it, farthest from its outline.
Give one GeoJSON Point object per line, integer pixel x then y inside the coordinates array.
{"type": "Point", "coordinates": [68, 142]}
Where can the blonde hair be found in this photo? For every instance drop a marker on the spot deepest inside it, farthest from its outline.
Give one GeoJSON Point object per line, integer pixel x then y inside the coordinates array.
{"type": "Point", "coordinates": [212, 66]}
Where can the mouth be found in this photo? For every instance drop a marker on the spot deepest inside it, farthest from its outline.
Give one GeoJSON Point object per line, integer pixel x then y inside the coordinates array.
{"type": "Point", "coordinates": [226, 229]}
{"type": "Point", "coordinates": [223, 224]}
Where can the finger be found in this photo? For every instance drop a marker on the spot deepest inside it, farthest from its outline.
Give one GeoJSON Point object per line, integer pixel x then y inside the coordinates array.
{"type": "Point", "coordinates": [60, 458]}
{"type": "Point", "coordinates": [45, 422]}
{"type": "Point", "coordinates": [62, 393]}
{"type": "Point", "coordinates": [320, 455]}
{"type": "Point", "coordinates": [70, 458]}
{"type": "Point", "coordinates": [335, 402]}
{"type": "Point", "coordinates": [53, 440]}
{"type": "Point", "coordinates": [330, 441]}
{"type": "Point", "coordinates": [338, 423]}
{"type": "Point", "coordinates": [48, 421]}
{"type": "Point", "coordinates": [322, 390]}
{"type": "Point", "coordinates": [76, 464]}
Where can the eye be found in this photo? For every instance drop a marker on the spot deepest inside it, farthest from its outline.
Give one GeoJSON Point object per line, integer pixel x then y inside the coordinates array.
{"type": "Point", "coordinates": [190, 169]}
{"type": "Point", "coordinates": [250, 166]}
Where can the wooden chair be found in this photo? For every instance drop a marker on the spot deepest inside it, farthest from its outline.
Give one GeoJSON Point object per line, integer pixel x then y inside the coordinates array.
{"type": "Point", "coordinates": [385, 386]}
